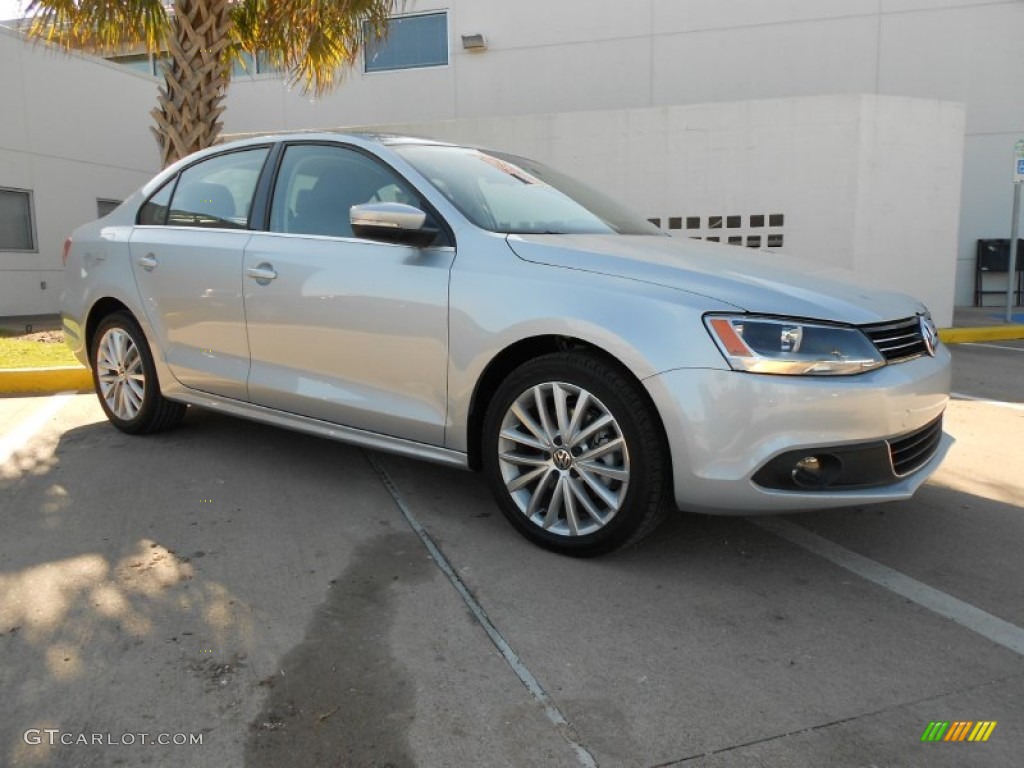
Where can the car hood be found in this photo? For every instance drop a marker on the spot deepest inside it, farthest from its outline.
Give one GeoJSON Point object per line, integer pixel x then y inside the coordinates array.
{"type": "Point", "coordinates": [757, 281]}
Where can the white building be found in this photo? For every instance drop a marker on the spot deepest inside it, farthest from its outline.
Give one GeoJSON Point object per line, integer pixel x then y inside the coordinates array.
{"type": "Point", "coordinates": [855, 120]}
{"type": "Point", "coordinates": [74, 140]}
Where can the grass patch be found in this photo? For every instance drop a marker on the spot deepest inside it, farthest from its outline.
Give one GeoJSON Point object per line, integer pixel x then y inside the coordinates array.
{"type": "Point", "coordinates": [26, 353]}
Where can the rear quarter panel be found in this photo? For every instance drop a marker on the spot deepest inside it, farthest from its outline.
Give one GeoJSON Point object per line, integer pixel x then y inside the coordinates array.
{"type": "Point", "coordinates": [98, 268]}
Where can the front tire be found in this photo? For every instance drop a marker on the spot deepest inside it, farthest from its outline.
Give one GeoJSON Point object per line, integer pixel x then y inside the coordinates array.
{"type": "Point", "coordinates": [125, 379]}
{"type": "Point", "coordinates": [575, 456]}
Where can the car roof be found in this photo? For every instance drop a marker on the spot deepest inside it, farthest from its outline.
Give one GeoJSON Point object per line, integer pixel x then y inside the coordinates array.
{"type": "Point", "coordinates": [372, 137]}
{"type": "Point", "coordinates": [234, 141]}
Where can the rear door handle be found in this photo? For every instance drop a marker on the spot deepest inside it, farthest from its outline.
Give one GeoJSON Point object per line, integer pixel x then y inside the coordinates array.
{"type": "Point", "coordinates": [148, 262]}
{"type": "Point", "coordinates": [261, 273]}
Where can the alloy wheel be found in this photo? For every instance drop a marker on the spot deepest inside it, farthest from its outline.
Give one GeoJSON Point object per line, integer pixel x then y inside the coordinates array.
{"type": "Point", "coordinates": [563, 459]}
{"type": "Point", "coordinates": [120, 374]}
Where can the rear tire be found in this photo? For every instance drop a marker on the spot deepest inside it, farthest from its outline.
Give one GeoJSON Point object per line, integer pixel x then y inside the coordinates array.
{"type": "Point", "coordinates": [575, 456]}
{"type": "Point", "coordinates": [125, 379]}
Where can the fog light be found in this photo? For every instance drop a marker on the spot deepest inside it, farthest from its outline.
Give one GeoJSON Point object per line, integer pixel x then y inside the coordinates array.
{"type": "Point", "coordinates": [807, 472]}
{"type": "Point", "coordinates": [816, 472]}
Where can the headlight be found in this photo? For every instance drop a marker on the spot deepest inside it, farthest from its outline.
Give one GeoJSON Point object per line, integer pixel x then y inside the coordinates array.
{"type": "Point", "coordinates": [794, 347]}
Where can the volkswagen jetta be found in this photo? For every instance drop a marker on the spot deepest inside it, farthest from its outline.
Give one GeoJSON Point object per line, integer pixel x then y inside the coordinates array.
{"type": "Point", "coordinates": [484, 311]}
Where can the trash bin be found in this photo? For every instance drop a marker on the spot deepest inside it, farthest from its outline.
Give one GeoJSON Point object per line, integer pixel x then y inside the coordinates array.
{"type": "Point", "coordinates": [993, 258]}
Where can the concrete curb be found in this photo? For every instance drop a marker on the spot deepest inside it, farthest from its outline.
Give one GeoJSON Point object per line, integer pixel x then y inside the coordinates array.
{"type": "Point", "coordinates": [982, 333]}
{"type": "Point", "coordinates": [39, 381]}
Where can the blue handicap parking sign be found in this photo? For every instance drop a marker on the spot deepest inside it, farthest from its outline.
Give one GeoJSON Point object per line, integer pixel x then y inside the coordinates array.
{"type": "Point", "coordinates": [1020, 167]}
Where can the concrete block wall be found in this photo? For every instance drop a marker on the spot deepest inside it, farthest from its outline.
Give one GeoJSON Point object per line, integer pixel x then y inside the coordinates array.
{"type": "Point", "coordinates": [910, 163]}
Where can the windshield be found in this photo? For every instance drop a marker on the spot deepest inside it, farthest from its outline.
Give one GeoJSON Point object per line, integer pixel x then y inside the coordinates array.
{"type": "Point", "coordinates": [509, 194]}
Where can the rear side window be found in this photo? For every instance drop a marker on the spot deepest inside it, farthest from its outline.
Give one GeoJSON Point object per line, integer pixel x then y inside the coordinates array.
{"type": "Point", "coordinates": [217, 192]}
{"type": "Point", "coordinates": [154, 210]}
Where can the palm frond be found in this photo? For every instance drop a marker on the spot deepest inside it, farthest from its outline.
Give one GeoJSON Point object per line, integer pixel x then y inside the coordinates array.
{"type": "Point", "coordinates": [248, 29]}
{"type": "Point", "coordinates": [105, 26]}
{"type": "Point", "coordinates": [313, 41]}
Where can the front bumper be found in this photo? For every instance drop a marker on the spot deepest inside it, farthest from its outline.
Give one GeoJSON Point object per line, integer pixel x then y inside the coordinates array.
{"type": "Point", "coordinates": [724, 426]}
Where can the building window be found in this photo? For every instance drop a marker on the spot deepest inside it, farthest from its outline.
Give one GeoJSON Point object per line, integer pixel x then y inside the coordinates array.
{"type": "Point", "coordinates": [140, 62]}
{"type": "Point", "coordinates": [411, 42]}
{"type": "Point", "coordinates": [264, 66]}
{"type": "Point", "coordinates": [17, 225]}
{"type": "Point", "coordinates": [161, 61]}
{"type": "Point", "coordinates": [105, 206]}
{"type": "Point", "coordinates": [245, 65]}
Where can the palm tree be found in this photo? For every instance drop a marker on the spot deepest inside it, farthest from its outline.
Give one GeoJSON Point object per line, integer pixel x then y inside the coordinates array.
{"type": "Point", "coordinates": [311, 41]}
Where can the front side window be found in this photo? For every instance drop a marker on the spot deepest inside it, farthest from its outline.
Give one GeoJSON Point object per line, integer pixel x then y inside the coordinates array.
{"type": "Point", "coordinates": [217, 192]}
{"type": "Point", "coordinates": [17, 225]}
{"type": "Point", "coordinates": [411, 42]}
{"type": "Point", "coordinates": [513, 195]}
{"type": "Point", "coordinates": [318, 184]}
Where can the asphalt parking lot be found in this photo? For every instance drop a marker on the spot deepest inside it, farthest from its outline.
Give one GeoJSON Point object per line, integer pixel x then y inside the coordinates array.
{"type": "Point", "coordinates": [270, 595]}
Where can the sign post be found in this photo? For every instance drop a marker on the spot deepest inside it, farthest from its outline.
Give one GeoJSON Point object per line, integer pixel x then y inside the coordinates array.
{"type": "Point", "coordinates": [1018, 179]}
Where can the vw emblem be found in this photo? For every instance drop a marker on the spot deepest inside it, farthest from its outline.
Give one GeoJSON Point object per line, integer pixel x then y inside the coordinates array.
{"type": "Point", "coordinates": [929, 335]}
{"type": "Point", "coordinates": [562, 459]}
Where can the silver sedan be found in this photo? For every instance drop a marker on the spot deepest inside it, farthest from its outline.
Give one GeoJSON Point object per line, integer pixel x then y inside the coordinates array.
{"type": "Point", "coordinates": [482, 310]}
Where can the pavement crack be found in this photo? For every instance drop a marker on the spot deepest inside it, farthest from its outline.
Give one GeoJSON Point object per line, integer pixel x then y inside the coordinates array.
{"type": "Point", "coordinates": [551, 710]}
{"type": "Point", "coordinates": [838, 721]}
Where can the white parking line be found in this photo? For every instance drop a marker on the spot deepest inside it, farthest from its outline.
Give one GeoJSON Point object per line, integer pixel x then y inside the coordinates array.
{"type": "Point", "coordinates": [554, 714]}
{"type": "Point", "coordinates": [1000, 403]}
{"type": "Point", "coordinates": [991, 346]}
{"type": "Point", "coordinates": [17, 439]}
{"type": "Point", "coordinates": [985, 624]}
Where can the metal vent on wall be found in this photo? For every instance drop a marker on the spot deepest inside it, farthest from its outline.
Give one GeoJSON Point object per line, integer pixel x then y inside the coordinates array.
{"type": "Point", "coordinates": [757, 230]}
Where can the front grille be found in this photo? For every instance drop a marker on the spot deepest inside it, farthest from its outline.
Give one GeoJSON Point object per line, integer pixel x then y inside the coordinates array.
{"type": "Point", "coordinates": [898, 340]}
{"type": "Point", "coordinates": [912, 451]}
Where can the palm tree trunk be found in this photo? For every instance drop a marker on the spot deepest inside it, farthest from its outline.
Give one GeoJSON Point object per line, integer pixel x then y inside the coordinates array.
{"type": "Point", "coordinates": [195, 79]}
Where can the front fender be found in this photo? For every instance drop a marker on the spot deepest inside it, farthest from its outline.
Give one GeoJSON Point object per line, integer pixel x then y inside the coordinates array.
{"type": "Point", "coordinates": [647, 328]}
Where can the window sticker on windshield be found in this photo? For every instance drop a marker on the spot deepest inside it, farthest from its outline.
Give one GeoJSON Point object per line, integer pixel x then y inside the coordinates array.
{"type": "Point", "coordinates": [512, 170]}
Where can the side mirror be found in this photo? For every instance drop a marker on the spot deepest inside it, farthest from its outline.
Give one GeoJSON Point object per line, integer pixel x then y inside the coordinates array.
{"type": "Point", "coordinates": [391, 223]}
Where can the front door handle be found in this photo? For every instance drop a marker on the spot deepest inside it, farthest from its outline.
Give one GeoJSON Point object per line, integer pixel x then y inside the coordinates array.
{"type": "Point", "coordinates": [261, 273]}
{"type": "Point", "coordinates": [148, 262]}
